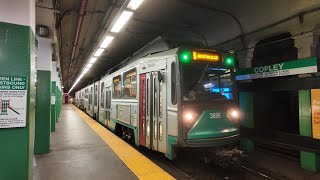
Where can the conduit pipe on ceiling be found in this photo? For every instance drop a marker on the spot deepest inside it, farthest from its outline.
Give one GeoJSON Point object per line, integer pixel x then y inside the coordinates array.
{"type": "Point", "coordinates": [82, 13]}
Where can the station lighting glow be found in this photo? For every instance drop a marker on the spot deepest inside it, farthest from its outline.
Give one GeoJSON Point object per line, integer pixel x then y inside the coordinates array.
{"type": "Point", "coordinates": [106, 41]}
{"type": "Point", "coordinates": [98, 52]}
{"type": "Point", "coordinates": [134, 4]}
{"type": "Point", "coordinates": [121, 21]}
{"type": "Point", "coordinates": [89, 65]}
{"type": "Point", "coordinates": [93, 60]}
{"type": "Point", "coordinates": [85, 70]}
{"type": "Point", "coordinates": [117, 26]}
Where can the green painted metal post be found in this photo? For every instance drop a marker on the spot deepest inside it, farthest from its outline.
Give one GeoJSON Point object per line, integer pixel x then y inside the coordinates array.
{"type": "Point", "coordinates": [43, 97]}
{"type": "Point", "coordinates": [57, 103]}
{"type": "Point", "coordinates": [43, 112]}
{"type": "Point", "coordinates": [17, 59]}
{"type": "Point", "coordinates": [53, 106]}
{"type": "Point", "coordinates": [246, 106]}
{"type": "Point", "coordinates": [308, 160]}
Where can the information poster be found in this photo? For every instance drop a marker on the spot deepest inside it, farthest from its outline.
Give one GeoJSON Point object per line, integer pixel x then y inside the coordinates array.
{"type": "Point", "coordinates": [315, 107]}
{"type": "Point", "coordinates": [13, 101]}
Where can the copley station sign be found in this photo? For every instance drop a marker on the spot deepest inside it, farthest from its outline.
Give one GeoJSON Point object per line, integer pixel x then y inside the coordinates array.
{"type": "Point", "coordinates": [301, 66]}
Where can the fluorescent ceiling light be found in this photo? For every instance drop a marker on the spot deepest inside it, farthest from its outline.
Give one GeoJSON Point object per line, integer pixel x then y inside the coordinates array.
{"type": "Point", "coordinates": [89, 65]}
{"type": "Point", "coordinates": [98, 52]}
{"type": "Point", "coordinates": [106, 41]}
{"type": "Point", "coordinates": [134, 4]}
{"type": "Point", "coordinates": [85, 70]}
{"type": "Point", "coordinates": [92, 60]}
{"type": "Point", "coordinates": [121, 21]}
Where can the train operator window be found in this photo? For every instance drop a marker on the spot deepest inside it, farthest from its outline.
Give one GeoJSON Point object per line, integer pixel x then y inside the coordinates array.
{"type": "Point", "coordinates": [130, 84]}
{"type": "Point", "coordinates": [116, 92]}
{"type": "Point", "coordinates": [173, 84]}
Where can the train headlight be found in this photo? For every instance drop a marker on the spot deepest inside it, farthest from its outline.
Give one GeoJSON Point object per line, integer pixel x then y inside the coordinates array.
{"type": "Point", "coordinates": [188, 116]}
{"type": "Point", "coordinates": [234, 113]}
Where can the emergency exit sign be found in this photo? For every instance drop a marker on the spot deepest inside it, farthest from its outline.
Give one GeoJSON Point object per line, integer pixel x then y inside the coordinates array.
{"type": "Point", "coordinates": [301, 66]}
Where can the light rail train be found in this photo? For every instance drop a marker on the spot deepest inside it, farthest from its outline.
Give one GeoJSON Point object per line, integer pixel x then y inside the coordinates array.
{"type": "Point", "coordinates": [168, 99]}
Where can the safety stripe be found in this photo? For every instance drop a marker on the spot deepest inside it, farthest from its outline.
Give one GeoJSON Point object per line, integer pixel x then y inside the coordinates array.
{"type": "Point", "coordinates": [140, 165]}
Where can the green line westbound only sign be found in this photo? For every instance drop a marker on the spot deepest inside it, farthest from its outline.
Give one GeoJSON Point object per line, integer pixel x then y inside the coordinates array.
{"type": "Point", "coordinates": [13, 101]}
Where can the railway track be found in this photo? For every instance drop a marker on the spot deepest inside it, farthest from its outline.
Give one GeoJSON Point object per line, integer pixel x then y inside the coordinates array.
{"type": "Point", "coordinates": [189, 168]}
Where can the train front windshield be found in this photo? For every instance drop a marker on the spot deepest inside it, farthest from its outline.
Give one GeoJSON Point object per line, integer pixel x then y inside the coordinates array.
{"type": "Point", "coordinates": [206, 82]}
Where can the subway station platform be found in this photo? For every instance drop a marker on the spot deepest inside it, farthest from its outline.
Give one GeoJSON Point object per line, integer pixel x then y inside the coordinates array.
{"type": "Point", "coordinates": [82, 149]}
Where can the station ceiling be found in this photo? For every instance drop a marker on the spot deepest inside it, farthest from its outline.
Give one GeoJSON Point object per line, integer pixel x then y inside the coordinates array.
{"type": "Point", "coordinates": [210, 21]}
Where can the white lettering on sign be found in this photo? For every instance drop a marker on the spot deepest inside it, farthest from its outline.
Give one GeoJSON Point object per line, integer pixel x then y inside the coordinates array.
{"type": "Point", "coordinates": [13, 102]}
{"type": "Point", "coordinates": [275, 67]}
{"type": "Point", "coordinates": [215, 115]}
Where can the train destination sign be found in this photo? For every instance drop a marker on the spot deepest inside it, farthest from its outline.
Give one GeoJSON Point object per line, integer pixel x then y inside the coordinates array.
{"type": "Point", "coordinates": [205, 56]}
{"type": "Point", "coordinates": [301, 66]}
{"type": "Point", "coordinates": [13, 101]}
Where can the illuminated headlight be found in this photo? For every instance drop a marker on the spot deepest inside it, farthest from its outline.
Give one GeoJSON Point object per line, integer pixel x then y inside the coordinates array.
{"type": "Point", "coordinates": [188, 116]}
{"type": "Point", "coordinates": [234, 113]}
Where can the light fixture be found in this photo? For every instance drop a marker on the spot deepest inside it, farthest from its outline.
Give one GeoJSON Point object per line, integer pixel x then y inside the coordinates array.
{"type": "Point", "coordinates": [106, 41]}
{"type": "Point", "coordinates": [85, 70]}
{"type": "Point", "coordinates": [121, 21]}
{"type": "Point", "coordinates": [92, 60]}
{"type": "Point", "coordinates": [89, 65]}
{"type": "Point", "coordinates": [98, 52]}
{"type": "Point", "coordinates": [134, 4]}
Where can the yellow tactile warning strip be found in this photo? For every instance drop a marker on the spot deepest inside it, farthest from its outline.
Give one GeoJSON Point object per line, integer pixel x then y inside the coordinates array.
{"type": "Point", "coordinates": [141, 166]}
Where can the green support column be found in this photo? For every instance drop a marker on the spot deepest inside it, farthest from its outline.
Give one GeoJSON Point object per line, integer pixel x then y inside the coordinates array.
{"type": "Point", "coordinates": [53, 106]}
{"type": "Point", "coordinates": [57, 103]}
{"type": "Point", "coordinates": [246, 106]}
{"type": "Point", "coordinates": [43, 96]}
{"type": "Point", "coordinates": [308, 160]}
{"type": "Point", "coordinates": [17, 60]}
{"type": "Point", "coordinates": [43, 112]}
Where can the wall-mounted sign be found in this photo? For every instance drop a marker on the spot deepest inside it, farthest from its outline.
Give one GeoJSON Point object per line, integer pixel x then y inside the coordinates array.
{"type": "Point", "coordinates": [53, 99]}
{"type": "Point", "coordinates": [301, 66]}
{"type": "Point", "coordinates": [315, 109]}
{"type": "Point", "coordinates": [13, 101]}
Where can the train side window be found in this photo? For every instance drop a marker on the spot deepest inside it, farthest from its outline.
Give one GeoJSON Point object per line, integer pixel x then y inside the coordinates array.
{"type": "Point", "coordinates": [102, 95]}
{"type": "Point", "coordinates": [173, 83]}
{"type": "Point", "coordinates": [116, 92]}
{"type": "Point", "coordinates": [160, 131]}
{"type": "Point", "coordinates": [130, 84]}
{"type": "Point", "coordinates": [96, 95]}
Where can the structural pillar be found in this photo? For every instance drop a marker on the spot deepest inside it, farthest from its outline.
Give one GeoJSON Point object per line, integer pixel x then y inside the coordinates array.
{"type": "Point", "coordinates": [43, 97]}
{"type": "Point", "coordinates": [308, 160]}
{"type": "Point", "coordinates": [247, 121]}
{"type": "Point", "coordinates": [17, 64]}
{"type": "Point", "coordinates": [53, 96]}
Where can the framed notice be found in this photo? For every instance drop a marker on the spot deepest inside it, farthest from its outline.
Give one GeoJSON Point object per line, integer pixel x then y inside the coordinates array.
{"type": "Point", "coordinates": [13, 101]}
{"type": "Point", "coordinates": [315, 108]}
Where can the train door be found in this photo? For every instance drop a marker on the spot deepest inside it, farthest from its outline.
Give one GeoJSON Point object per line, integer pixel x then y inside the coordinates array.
{"type": "Point", "coordinates": [142, 109]}
{"type": "Point", "coordinates": [156, 111]}
{"type": "Point", "coordinates": [108, 105]}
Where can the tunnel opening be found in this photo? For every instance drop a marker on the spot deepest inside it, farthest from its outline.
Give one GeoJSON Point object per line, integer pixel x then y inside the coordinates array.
{"type": "Point", "coordinates": [275, 99]}
{"type": "Point", "coordinates": [277, 106]}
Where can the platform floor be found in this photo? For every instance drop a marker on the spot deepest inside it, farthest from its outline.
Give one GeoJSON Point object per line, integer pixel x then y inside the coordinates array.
{"type": "Point", "coordinates": [78, 153]}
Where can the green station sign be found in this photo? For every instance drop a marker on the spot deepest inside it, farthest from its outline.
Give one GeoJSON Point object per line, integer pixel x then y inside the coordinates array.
{"type": "Point", "coordinates": [301, 66]}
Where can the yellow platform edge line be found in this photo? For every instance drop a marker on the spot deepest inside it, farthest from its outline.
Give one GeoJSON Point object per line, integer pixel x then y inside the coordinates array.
{"type": "Point", "coordinates": [140, 165]}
